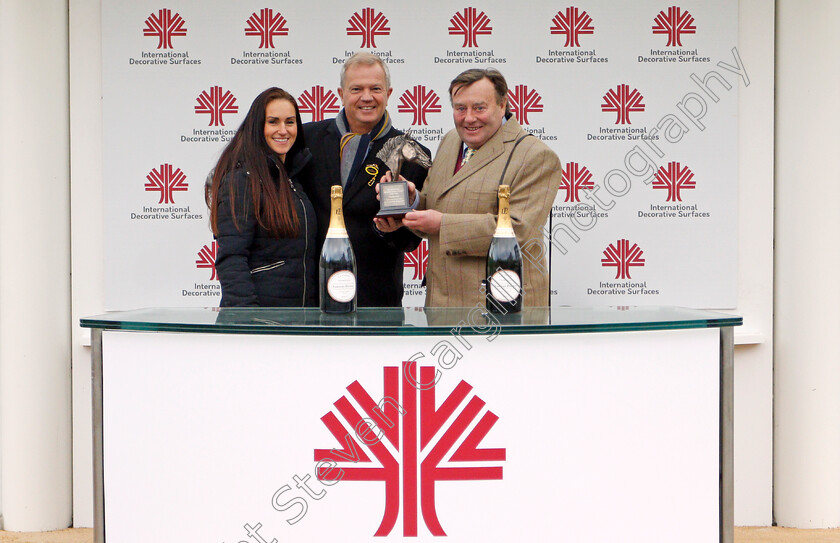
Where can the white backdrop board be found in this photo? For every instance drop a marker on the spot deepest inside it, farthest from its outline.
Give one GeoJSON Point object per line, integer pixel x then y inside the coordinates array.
{"type": "Point", "coordinates": [639, 101]}
{"type": "Point", "coordinates": [215, 437]}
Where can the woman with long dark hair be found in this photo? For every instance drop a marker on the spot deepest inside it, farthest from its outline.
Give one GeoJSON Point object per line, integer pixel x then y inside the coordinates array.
{"type": "Point", "coordinates": [262, 220]}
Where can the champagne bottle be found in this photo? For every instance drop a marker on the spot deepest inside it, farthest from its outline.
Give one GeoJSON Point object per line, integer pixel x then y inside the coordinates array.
{"type": "Point", "coordinates": [504, 263]}
{"type": "Point", "coordinates": [337, 267]}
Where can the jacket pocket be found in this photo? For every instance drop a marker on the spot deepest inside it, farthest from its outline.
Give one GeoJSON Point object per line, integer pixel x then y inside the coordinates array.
{"type": "Point", "coordinates": [268, 267]}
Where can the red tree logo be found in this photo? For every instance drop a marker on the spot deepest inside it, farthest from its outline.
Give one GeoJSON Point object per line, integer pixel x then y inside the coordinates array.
{"type": "Point", "coordinates": [164, 25]}
{"type": "Point", "coordinates": [522, 101]}
{"type": "Point", "coordinates": [318, 103]}
{"type": "Point", "coordinates": [216, 103]}
{"type": "Point", "coordinates": [674, 178]}
{"type": "Point", "coordinates": [418, 259]}
{"type": "Point", "coordinates": [166, 181]}
{"type": "Point", "coordinates": [419, 101]}
{"type": "Point", "coordinates": [368, 25]}
{"type": "Point", "coordinates": [415, 462]}
{"type": "Point", "coordinates": [575, 179]}
{"type": "Point", "coordinates": [675, 23]}
{"type": "Point", "coordinates": [207, 259]}
{"type": "Point", "coordinates": [470, 24]}
{"type": "Point", "coordinates": [622, 101]}
{"type": "Point", "coordinates": [622, 256]}
{"type": "Point", "coordinates": [573, 24]}
{"type": "Point", "coordinates": [266, 25]}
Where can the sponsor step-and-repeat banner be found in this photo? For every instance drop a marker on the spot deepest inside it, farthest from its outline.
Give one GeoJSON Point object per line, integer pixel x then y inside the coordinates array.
{"type": "Point", "coordinates": [639, 100]}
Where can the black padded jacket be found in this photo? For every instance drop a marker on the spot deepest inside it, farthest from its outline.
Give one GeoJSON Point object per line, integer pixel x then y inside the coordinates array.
{"type": "Point", "coordinates": [256, 268]}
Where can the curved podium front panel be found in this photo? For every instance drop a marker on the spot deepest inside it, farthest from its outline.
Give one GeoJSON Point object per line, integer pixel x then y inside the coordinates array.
{"type": "Point", "coordinates": [552, 425]}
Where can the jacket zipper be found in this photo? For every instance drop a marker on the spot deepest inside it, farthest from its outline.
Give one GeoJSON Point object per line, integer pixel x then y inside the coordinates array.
{"type": "Point", "coordinates": [305, 241]}
{"type": "Point", "coordinates": [268, 267]}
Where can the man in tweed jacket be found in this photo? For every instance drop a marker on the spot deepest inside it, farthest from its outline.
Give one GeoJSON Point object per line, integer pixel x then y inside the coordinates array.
{"type": "Point", "coordinates": [458, 203]}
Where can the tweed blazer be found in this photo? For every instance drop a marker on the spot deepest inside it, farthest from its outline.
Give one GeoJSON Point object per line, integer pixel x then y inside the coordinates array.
{"type": "Point", "coordinates": [468, 200]}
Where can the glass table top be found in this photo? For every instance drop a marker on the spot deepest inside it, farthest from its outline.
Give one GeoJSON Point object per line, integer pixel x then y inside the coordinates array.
{"type": "Point", "coordinates": [410, 321]}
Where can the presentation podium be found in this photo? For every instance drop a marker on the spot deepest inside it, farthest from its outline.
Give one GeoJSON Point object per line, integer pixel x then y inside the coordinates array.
{"type": "Point", "coordinates": [289, 425]}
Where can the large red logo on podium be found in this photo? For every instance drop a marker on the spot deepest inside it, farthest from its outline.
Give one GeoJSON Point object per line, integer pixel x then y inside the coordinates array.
{"type": "Point", "coordinates": [417, 462]}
